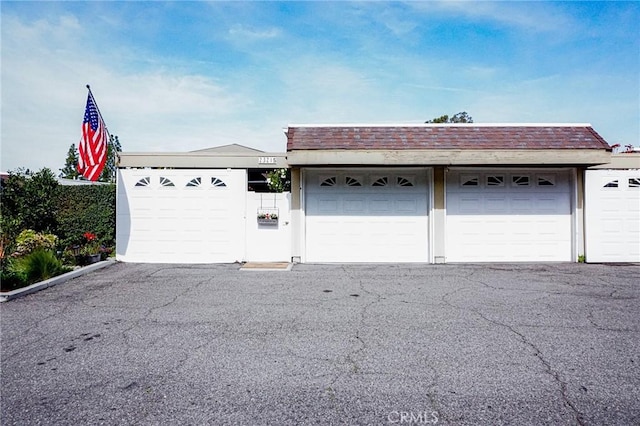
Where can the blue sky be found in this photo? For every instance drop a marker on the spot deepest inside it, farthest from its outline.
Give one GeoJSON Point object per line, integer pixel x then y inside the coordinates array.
{"type": "Point", "coordinates": [182, 76]}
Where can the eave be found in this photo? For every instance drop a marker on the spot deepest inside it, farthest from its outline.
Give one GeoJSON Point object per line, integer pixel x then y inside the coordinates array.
{"type": "Point", "coordinates": [449, 157]}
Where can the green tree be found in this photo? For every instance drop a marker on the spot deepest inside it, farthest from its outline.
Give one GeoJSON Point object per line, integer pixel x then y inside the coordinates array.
{"type": "Point", "coordinates": [28, 202]}
{"type": "Point", "coordinates": [70, 169]}
{"type": "Point", "coordinates": [109, 172]}
{"type": "Point", "coordinates": [461, 117]}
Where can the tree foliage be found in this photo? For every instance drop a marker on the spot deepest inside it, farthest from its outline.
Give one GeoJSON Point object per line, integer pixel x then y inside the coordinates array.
{"type": "Point", "coordinates": [461, 117]}
{"type": "Point", "coordinates": [70, 169]}
{"type": "Point", "coordinates": [28, 202]}
{"type": "Point", "coordinates": [109, 172]}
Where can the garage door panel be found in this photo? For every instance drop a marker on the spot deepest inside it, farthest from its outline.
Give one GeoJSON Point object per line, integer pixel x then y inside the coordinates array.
{"type": "Point", "coordinates": [467, 204]}
{"type": "Point", "coordinates": [355, 205]}
{"type": "Point", "coordinates": [496, 204]}
{"type": "Point", "coordinates": [633, 205]}
{"type": "Point", "coordinates": [378, 206]}
{"type": "Point", "coordinates": [506, 216]}
{"type": "Point", "coordinates": [375, 220]}
{"type": "Point", "coordinates": [407, 206]}
{"type": "Point", "coordinates": [631, 226]}
{"type": "Point", "coordinates": [521, 205]}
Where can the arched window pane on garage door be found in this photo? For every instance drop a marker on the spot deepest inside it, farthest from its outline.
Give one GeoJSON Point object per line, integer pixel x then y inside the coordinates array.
{"type": "Point", "coordinates": [217, 182]}
{"type": "Point", "coordinates": [145, 181]}
{"type": "Point", "coordinates": [194, 183]}
{"type": "Point", "coordinates": [402, 181]}
{"type": "Point", "coordinates": [166, 182]}
{"type": "Point", "coordinates": [351, 181]}
{"type": "Point", "coordinates": [330, 181]}
{"type": "Point", "coordinates": [383, 181]}
{"type": "Point", "coordinates": [546, 181]}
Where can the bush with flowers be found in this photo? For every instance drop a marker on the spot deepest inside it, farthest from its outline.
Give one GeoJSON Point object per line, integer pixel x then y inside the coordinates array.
{"type": "Point", "coordinates": [90, 245]}
{"type": "Point", "coordinates": [86, 250]}
{"type": "Point", "coordinates": [278, 180]}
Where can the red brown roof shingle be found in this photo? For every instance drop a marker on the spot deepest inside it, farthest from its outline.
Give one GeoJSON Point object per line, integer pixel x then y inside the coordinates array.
{"type": "Point", "coordinates": [463, 136]}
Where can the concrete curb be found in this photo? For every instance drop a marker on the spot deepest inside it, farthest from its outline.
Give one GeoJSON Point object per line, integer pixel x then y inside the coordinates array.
{"type": "Point", "coordinates": [14, 294]}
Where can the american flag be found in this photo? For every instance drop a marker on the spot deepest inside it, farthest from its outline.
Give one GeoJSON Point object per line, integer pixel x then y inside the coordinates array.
{"type": "Point", "coordinates": [93, 144]}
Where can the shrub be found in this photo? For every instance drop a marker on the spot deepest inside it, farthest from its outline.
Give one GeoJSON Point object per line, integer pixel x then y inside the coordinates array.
{"type": "Point", "coordinates": [11, 277]}
{"type": "Point", "coordinates": [39, 265]}
{"type": "Point", "coordinates": [30, 240]}
{"type": "Point", "coordinates": [82, 208]}
{"type": "Point", "coordinates": [279, 180]}
{"type": "Point", "coordinates": [28, 201]}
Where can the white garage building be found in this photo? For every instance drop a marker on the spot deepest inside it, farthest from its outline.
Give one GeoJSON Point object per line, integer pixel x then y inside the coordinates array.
{"type": "Point", "coordinates": [441, 192]}
{"type": "Point", "coordinates": [429, 193]}
{"type": "Point", "coordinates": [200, 207]}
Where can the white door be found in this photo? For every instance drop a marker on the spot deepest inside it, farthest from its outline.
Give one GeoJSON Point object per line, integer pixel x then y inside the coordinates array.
{"type": "Point", "coordinates": [508, 215]}
{"type": "Point", "coordinates": [366, 215]}
{"type": "Point", "coordinates": [612, 215]}
{"type": "Point", "coordinates": [270, 241]}
{"type": "Point", "coordinates": [181, 216]}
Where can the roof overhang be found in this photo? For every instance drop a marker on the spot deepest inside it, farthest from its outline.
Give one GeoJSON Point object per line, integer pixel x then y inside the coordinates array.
{"type": "Point", "coordinates": [448, 157]}
{"type": "Point", "coordinates": [621, 161]}
{"type": "Point", "coordinates": [203, 160]}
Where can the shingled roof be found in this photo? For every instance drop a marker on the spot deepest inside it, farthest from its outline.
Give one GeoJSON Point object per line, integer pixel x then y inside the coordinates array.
{"type": "Point", "coordinates": [445, 136]}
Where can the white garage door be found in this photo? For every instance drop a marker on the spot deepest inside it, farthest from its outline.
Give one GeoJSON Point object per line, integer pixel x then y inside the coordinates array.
{"type": "Point", "coordinates": [508, 216]}
{"type": "Point", "coordinates": [180, 216]}
{"type": "Point", "coordinates": [612, 215]}
{"type": "Point", "coordinates": [367, 215]}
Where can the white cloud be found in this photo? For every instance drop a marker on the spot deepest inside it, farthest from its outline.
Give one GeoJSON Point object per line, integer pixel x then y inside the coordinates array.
{"type": "Point", "coordinates": [534, 16]}
{"type": "Point", "coordinates": [243, 33]}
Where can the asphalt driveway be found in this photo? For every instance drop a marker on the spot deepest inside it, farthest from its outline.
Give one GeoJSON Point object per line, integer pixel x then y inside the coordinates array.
{"type": "Point", "coordinates": [327, 344]}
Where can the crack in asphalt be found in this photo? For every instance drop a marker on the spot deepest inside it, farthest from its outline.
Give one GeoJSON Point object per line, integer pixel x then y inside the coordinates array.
{"type": "Point", "coordinates": [602, 328]}
{"type": "Point", "coordinates": [150, 310]}
{"type": "Point", "coordinates": [351, 357]}
{"type": "Point", "coordinates": [536, 351]}
{"type": "Point", "coordinates": [547, 365]}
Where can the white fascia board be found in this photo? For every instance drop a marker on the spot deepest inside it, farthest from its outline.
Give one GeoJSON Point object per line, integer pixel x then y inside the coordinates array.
{"type": "Point", "coordinates": [621, 162]}
{"type": "Point", "coordinates": [448, 157]}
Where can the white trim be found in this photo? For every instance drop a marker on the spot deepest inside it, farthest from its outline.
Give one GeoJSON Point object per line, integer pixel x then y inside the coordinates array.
{"type": "Point", "coordinates": [575, 226]}
{"type": "Point", "coordinates": [432, 213]}
{"type": "Point", "coordinates": [302, 217]}
{"type": "Point", "coordinates": [446, 215]}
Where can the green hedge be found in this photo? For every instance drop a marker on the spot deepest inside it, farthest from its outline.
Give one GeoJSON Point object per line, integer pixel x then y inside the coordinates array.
{"type": "Point", "coordinates": [83, 209]}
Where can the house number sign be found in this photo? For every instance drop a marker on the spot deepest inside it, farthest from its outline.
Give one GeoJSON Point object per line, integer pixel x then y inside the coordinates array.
{"type": "Point", "coordinates": [266, 160]}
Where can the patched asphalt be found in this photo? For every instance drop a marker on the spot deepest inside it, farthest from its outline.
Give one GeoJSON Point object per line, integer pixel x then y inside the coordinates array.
{"type": "Point", "coordinates": [327, 344]}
